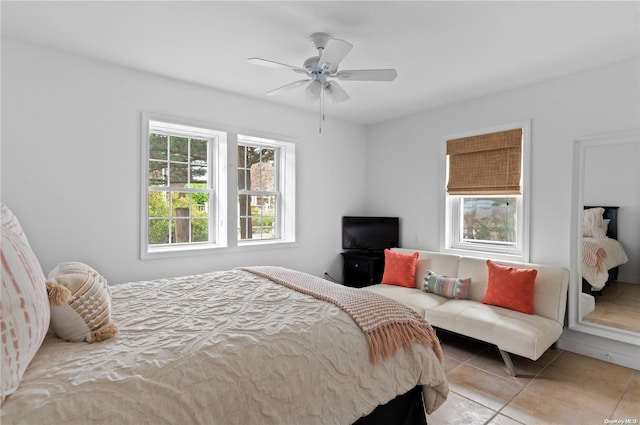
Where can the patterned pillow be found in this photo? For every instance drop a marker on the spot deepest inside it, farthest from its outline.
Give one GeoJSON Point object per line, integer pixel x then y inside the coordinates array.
{"type": "Point", "coordinates": [450, 287]}
{"type": "Point", "coordinates": [80, 303]}
{"type": "Point", "coordinates": [400, 268]}
{"type": "Point", "coordinates": [24, 308]}
{"type": "Point", "coordinates": [510, 287]}
{"type": "Point", "coordinates": [593, 223]}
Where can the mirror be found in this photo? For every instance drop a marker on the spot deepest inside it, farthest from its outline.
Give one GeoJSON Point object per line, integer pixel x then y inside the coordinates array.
{"type": "Point", "coordinates": [606, 174]}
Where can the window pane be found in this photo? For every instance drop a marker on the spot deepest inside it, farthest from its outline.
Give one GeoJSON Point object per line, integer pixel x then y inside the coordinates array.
{"type": "Point", "coordinates": [241, 179]}
{"type": "Point", "coordinates": [200, 229]}
{"type": "Point", "coordinates": [157, 173]}
{"type": "Point", "coordinates": [198, 174]}
{"type": "Point", "coordinates": [179, 174]}
{"type": "Point", "coordinates": [199, 151]}
{"type": "Point", "coordinates": [157, 146]}
{"type": "Point", "coordinates": [180, 230]}
{"type": "Point", "coordinates": [158, 231]}
{"type": "Point", "coordinates": [179, 149]}
{"type": "Point", "coordinates": [489, 219]}
{"type": "Point", "coordinates": [263, 177]}
{"type": "Point", "coordinates": [158, 204]}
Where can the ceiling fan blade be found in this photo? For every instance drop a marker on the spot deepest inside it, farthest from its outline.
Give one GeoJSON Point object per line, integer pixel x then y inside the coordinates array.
{"type": "Point", "coordinates": [274, 64]}
{"type": "Point", "coordinates": [313, 90]}
{"type": "Point", "coordinates": [367, 75]}
{"type": "Point", "coordinates": [336, 93]}
{"type": "Point", "coordinates": [333, 53]}
{"type": "Point", "coordinates": [287, 87]}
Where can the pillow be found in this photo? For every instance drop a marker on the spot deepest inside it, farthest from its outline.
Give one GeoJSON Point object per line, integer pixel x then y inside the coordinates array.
{"type": "Point", "coordinates": [399, 269]}
{"type": "Point", "coordinates": [593, 224]}
{"type": "Point", "coordinates": [80, 303]}
{"type": "Point", "coordinates": [510, 287]}
{"type": "Point", "coordinates": [24, 317]}
{"type": "Point", "coordinates": [450, 287]}
{"type": "Point", "coordinates": [10, 223]}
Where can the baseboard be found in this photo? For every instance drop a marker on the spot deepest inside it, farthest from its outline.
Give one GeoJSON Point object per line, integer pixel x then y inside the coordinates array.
{"type": "Point", "coordinates": [599, 348]}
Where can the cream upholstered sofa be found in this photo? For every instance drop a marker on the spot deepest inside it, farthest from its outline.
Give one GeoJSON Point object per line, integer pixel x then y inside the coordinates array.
{"type": "Point", "coordinates": [527, 335]}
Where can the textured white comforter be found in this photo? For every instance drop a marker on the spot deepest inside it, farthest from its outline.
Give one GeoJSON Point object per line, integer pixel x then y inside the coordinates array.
{"type": "Point", "coordinates": [221, 348]}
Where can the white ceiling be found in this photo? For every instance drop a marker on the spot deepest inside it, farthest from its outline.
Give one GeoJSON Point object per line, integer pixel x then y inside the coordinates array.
{"type": "Point", "coordinates": [444, 52]}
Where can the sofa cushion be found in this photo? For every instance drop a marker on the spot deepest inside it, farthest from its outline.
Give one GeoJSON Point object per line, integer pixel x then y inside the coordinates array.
{"type": "Point", "coordinates": [510, 287]}
{"type": "Point", "coordinates": [399, 268]}
{"type": "Point", "coordinates": [450, 287]}
{"type": "Point", "coordinates": [411, 297]}
{"type": "Point", "coordinates": [512, 331]}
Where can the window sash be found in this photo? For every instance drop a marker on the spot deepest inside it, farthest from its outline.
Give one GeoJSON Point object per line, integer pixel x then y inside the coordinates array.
{"type": "Point", "coordinates": [246, 218]}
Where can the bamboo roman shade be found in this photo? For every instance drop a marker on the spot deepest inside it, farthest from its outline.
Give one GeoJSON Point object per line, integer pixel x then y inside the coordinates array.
{"type": "Point", "coordinates": [487, 164]}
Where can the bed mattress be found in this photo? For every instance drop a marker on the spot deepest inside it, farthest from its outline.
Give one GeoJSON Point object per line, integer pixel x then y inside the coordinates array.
{"type": "Point", "coordinates": [227, 347]}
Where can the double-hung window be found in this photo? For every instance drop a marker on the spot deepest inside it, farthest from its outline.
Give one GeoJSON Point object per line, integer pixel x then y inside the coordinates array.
{"type": "Point", "coordinates": [181, 203]}
{"type": "Point", "coordinates": [487, 192]}
{"type": "Point", "coordinates": [265, 190]}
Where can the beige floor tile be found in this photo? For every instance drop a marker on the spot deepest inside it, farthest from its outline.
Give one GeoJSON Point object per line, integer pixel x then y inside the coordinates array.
{"type": "Point", "coordinates": [458, 410]}
{"type": "Point", "coordinates": [491, 361]}
{"type": "Point", "coordinates": [629, 406]}
{"type": "Point", "coordinates": [482, 387]}
{"type": "Point", "coordinates": [538, 405]}
{"type": "Point", "coordinates": [504, 420]}
{"type": "Point", "coordinates": [459, 348]}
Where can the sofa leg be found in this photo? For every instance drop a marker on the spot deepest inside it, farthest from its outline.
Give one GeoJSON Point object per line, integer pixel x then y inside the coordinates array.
{"type": "Point", "coordinates": [508, 362]}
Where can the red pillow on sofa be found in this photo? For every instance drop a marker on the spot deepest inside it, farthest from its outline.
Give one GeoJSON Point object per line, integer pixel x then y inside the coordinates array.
{"type": "Point", "coordinates": [510, 287]}
{"type": "Point", "coordinates": [400, 269]}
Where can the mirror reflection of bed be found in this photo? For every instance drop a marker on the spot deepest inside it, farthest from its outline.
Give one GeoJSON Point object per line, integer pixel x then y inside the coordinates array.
{"type": "Point", "coordinates": [606, 299]}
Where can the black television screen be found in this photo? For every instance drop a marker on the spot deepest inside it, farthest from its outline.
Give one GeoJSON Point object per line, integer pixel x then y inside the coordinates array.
{"type": "Point", "coordinates": [372, 233]}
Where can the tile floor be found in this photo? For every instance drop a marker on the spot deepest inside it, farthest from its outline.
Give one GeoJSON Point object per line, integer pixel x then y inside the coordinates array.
{"type": "Point", "coordinates": [561, 388]}
{"type": "Point", "coordinates": [618, 307]}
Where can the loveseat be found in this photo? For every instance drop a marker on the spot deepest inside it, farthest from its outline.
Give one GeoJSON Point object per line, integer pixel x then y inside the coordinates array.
{"type": "Point", "coordinates": [527, 335]}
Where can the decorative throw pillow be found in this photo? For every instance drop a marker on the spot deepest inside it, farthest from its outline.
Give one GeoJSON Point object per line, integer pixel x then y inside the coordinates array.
{"type": "Point", "coordinates": [593, 223]}
{"type": "Point", "coordinates": [400, 268]}
{"type": "Point", "coordinates": [510, 287]}
{"type": "Point", "coordinates": [450, 287]}
{"type": "Point", "coordinates": [80, 303]}
{"type": "Point", "coordinates": [24, 308]}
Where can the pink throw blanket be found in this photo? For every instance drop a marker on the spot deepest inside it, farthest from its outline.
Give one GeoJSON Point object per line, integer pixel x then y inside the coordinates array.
{"type": "Point", "coordinates": [387, 324]}
{"type": "Point", "coordinates": [593, 255]}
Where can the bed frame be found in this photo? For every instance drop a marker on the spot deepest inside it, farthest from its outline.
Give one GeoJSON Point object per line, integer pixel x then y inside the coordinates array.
{"type": "Point", "coordinates": [610, 213]}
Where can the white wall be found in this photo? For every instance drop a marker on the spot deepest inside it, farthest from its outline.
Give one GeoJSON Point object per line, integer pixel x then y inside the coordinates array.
{"type": "Point", "coordinates": [71, 158]}
{"type": "Point", "coordinates": [405, 167]}
{"type": "Point", "coordinates": [406, 156]}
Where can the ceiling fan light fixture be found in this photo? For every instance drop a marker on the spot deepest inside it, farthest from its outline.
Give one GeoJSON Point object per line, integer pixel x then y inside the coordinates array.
{"type": "Point", "coordinates": [314, 90]}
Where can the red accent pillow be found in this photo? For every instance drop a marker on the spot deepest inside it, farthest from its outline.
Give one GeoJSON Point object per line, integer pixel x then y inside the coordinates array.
{"type": "Point", "coordinates": [400, 269]}
{"type": "Point", "coordinates": [510, 287]}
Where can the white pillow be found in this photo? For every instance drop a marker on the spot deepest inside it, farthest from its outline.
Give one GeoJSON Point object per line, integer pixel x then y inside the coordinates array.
{"type": "Point", "coordinates": [80, 303]}
{"type": "Point", "coordinates": [593, 224]}
{"type": "Point", "coordinates": [24, 306]}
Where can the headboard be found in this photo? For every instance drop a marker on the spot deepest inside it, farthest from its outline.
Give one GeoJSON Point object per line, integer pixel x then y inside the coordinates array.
{"type": "Point", "coordinates": [610, 213]}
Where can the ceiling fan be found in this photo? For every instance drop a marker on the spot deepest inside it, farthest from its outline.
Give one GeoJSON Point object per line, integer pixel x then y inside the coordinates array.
{"type": "Point", "coordinates": [321, 71]}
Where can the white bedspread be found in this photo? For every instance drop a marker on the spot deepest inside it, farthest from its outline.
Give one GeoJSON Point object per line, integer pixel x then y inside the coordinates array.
{"type": "Point", "coordinates": [222, 348]}
{"type": "Point", "coordinates": [615, 256]}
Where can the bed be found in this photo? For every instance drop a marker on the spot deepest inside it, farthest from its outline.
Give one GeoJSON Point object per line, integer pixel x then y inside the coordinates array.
{"type": "Point", "coordinates": [241, 346]}
{"type": "Point", "coordinates": [602, 253]}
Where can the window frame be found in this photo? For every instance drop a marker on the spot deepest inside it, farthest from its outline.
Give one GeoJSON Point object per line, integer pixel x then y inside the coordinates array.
{"type": "Point", "coordinates": [450, 238]}
{"type": "Point", "coordinates": [216, 184]}
{"type": "Point", "coordinates": [285, 177]}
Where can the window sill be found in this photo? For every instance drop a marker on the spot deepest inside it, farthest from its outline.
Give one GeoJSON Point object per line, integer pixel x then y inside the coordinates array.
{"type": "Point", "coordinates": [188, 251]}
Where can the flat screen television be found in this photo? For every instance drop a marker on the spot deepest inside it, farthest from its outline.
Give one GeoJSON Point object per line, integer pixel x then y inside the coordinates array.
{"type": "Point", "coordinates": [370, 233]}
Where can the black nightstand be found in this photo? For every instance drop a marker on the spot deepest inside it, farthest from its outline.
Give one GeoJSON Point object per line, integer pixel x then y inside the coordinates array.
{"type": "Point", "coordinates": [362, 268]}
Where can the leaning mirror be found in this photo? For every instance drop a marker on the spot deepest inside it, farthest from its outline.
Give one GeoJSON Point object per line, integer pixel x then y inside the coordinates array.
{"type": "Point", "coordinates": [604, 298]}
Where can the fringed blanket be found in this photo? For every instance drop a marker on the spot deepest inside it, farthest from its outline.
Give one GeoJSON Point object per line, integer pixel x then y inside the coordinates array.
{"type": "Point", "coordinates": [593, 255]}
{"type": "Point", "coordinates": [387, 324]}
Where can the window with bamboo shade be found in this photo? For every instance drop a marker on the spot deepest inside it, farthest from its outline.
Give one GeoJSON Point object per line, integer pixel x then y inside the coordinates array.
{"type": "Point", "coordinates": [485, 191]}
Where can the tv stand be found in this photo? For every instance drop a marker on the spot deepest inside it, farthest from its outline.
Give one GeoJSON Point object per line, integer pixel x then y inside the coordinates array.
{"type": "Point", "coordinates": [362, 268]}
